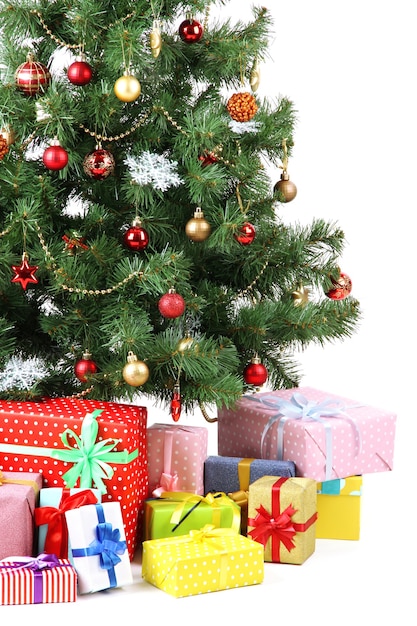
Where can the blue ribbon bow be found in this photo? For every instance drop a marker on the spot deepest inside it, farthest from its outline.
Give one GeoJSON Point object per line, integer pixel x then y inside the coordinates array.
{"type": "Point", "coordinates": [107, 545]}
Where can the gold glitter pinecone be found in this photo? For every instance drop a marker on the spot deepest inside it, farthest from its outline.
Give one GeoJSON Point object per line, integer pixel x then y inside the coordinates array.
{"type": "Point", "coordinates": [4, 147]}
{"type": "Point", "coordinates": [242, 106]}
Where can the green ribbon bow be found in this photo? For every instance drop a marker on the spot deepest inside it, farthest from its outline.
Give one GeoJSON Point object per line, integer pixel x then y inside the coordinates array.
{"type": "Point", "coordinates": [90, 458]}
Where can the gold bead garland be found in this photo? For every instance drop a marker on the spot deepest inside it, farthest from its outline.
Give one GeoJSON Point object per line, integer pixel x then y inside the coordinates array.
{"type": "Point", "coordinates": [85, 292]}
{"type": "Point", "coordinates": [249, 288]}
{"type": "Point", "coordinates": [77, 46]}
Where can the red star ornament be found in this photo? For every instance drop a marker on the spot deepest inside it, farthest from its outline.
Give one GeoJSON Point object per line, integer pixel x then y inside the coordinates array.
{"type": "Point", "coordinates": [24, 273]}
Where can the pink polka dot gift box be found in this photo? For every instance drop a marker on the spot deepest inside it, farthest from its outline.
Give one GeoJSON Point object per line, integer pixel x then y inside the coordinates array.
{"type": "Point", "coordinates": [325, 435]}
{"type": "Point", "coordinates": [81, 443]}
{"type": "Point", "coordinates": [176, 456]}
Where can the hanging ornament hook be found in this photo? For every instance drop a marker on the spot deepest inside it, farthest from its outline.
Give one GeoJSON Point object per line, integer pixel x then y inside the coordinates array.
{"type": "Point", "coordinates": [285, 158]}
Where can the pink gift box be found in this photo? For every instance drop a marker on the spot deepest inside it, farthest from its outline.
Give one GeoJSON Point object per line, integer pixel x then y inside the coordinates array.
{"type": "Point", "coordinates": [176, 456]}
{"type": "Point", "coordinates": [327, 436]}
{"type": "Point", "coordinates": [19, 492]}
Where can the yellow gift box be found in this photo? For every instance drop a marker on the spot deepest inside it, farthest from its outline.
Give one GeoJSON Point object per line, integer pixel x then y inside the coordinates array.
{"type": "Point", "coordinates": [177, 513]}
{"type": "Point", "coordinates": [339, 508]}
{"type": "Point", "coordinates": [206, 560]}
{"type": "Point", "coordinates": [282, 514]}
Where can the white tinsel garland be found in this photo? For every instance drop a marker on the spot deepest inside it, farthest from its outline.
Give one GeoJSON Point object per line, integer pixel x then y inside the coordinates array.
{"type": "Point", "coordinates": [153, 169]}
{"type": "Point", "coordinates": [243, 127]}
{"type": "Point", "coordinates": [22, 373]}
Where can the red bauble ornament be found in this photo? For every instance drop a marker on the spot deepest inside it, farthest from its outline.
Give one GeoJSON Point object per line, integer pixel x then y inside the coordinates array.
{"type": "Point", "coordinates": [32, 77]}
{"type": "Point", "coordinates": [176, 404]}
{"type": "Point", "coordinates": [80, 72]}
{"type": "Point", "coordinates": [85, 367]}
{"type": "Point", "coordinates": [246, 234]}
{"type": "Point", "coordinates": [24, 273]}
{"type": "Point", "coordinates": [255, 373]}
{"type": "Point", "coordinates": [171, 304]}
{"type": "Point", "coordinates": [55, 157]}
{"type": "Point", "coordinates": [99, 164]}
{"type": "Point", "coordinates": [208, 158]}
{"type": "Point", "coordinates": [190, 31]}
{"type": "Point", "coordinates": [342, 287]}
{"type": "Point", "coordinates": [136, 238]}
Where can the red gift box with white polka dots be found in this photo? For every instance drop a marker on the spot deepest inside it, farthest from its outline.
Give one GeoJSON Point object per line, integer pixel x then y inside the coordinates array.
{"type": "Point", "coordinates": [327, 436]}
{"type": "Point", "coordinates": [81, 443]}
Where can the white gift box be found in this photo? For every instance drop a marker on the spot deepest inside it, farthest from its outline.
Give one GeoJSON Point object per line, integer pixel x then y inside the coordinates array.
{"type": "Point", "coordinates": [98, 546]}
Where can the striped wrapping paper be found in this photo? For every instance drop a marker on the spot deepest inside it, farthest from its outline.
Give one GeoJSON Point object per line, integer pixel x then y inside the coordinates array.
{"type": "Point", "coordinates": [19, 584]}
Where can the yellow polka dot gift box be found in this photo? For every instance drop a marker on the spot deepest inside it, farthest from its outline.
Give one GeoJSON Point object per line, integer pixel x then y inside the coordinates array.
{"type": "Point", "coordinates": [206, 560]}
{"type": "Point", "coordinates": [282, 515]}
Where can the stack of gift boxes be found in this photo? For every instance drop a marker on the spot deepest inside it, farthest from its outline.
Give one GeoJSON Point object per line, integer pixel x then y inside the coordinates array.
{"type": "Point", "coordinates": [85, 486]}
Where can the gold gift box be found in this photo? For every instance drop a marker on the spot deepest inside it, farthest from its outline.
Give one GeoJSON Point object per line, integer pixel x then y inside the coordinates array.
{"type": "Point", "coordinates": [282, 514]}
{"type": "Point", "coordinates": [206, 560]}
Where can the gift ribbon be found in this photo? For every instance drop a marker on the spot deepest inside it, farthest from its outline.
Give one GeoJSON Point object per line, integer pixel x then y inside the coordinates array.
{"type": "Point", "coordinates": [277, 525]}
{"type": "Point", "coordinates": [214, 500]}
{"type": "Point", "coordinates": [107, 545]}
{"type": "Point", "coordinates": [241, 496]}
{"type": "Point", "coordinates": [56, 540]}
{"type": "Point", "coordinates": [37, 566]}
{"type": "Point", "coordinates": [300, 408]}
{"type": "Point", "coordinates": [207, 536]}
{"type": "Point", "coordinates": [168, 480]}
{"type": "Point", "coordinates": [90, 458]}
{"type": "Point", "coordinates": [20, 481]}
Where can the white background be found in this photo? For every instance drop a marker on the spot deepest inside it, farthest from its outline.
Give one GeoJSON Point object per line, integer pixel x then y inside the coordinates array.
{"type": "Point", "coordinates": [350, 68]}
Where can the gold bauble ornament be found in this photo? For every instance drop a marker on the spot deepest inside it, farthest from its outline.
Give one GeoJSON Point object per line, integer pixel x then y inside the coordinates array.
{"type": "Point", "coordinates": [300, 296]}
{"type": "Point", "coordinates": [198, 228]}
{"type": "Point", "coordinates": [135, 372]}
{"type": "Point", "coordinates": [185, 343]}
{"type": "Point", "coordinates": [155, 40]}
{"type": "Point", "coordinates": [127, 88]}
{"type": "Point", "coordinates": [285, 190]}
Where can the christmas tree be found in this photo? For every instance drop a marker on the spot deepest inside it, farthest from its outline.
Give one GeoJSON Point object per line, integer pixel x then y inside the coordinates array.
{"type": "Point", "coordinates": [142, 180]}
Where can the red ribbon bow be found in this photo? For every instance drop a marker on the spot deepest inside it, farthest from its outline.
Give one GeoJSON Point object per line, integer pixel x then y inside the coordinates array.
{"type": "Point", "coordinates": [56, 540]}
{"type": "Point", "coordinates": [277, 525]}
{"type": "Point", "coordinates": [281, 528]}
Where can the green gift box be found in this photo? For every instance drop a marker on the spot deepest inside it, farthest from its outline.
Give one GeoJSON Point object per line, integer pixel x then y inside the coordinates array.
{"type": "Point", "coordinates": [176, 513]}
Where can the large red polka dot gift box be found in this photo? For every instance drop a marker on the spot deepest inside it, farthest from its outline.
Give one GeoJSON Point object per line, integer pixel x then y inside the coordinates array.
{"type": "Point", "coordinates": [81, 443]}
{"type": "Point", "coordinates": [327, 436]}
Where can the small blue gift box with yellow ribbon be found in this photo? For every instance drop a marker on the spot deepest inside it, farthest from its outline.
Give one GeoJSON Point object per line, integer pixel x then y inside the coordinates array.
{"type": "Point", "coordinates": [98, 547]}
